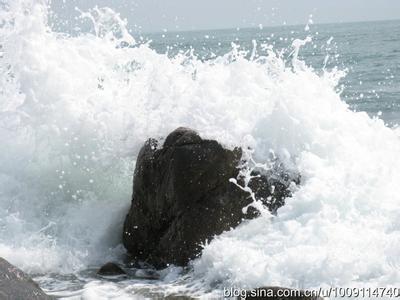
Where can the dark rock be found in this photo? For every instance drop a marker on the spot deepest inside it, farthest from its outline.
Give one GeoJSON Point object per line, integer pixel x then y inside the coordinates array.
{"type": "Point", "coordinates": [278, 293]}
{"type": "Point", "coordinates": [111, 269]}
{"type": "Point", "coordinates": [16, 285]}
{"type": "Point", "coordinates": [182, 197]}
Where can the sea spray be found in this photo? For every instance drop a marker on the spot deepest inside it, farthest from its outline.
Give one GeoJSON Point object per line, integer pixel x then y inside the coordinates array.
{"type": "Point", "coordinates": [75, 110]}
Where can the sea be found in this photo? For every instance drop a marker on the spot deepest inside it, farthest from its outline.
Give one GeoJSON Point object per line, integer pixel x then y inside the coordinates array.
{"type": "Point", "coordinates": [78, 102]}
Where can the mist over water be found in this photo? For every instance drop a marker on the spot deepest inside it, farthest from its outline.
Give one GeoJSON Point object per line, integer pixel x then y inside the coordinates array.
{"type": "Point", "coordinates": [75, 110]}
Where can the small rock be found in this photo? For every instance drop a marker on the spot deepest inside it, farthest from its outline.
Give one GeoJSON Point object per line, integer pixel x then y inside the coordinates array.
{"type": "Point", "coordinates": [111, 269]}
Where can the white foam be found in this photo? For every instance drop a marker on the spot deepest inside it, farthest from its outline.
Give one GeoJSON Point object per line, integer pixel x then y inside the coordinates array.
{"type": "Point", "coordinates": [74, 111]}
{"type": "Point", "coordinates": [341, 226]}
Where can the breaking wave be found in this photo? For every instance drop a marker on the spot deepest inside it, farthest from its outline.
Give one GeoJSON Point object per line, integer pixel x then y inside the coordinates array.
{"type": "Point", "coordinates": [75, 110]}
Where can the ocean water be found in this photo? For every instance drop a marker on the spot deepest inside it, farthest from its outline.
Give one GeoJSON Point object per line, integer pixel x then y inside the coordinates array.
{"type": "Point", "coordinates": [367, 51]}
{"type": "Point", "coordinates": [76, 106]}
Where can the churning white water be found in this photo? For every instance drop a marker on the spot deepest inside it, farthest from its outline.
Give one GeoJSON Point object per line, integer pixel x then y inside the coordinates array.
{"type": "Point", "coordinates": [75, 110]}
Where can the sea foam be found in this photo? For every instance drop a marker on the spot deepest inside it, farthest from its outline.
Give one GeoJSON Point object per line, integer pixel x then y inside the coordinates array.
{"type": "Point", "coordinates": [75, 110]}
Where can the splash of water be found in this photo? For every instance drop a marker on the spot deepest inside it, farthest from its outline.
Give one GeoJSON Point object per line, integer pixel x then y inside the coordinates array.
{"type": "Point", "coordinates": [74, 112]}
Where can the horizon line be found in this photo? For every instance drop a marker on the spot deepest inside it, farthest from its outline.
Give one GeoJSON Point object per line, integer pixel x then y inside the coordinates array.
{"type": "Point", "coordinates": [164, 31]}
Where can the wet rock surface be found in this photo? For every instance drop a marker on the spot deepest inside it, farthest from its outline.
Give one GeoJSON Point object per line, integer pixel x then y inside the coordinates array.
{"type": "Point", "coordinates": [183, 197]}
{"type": "Point", "coordinates": [111, 269]}
{"type": "Point", "coordinates": [16, 285]}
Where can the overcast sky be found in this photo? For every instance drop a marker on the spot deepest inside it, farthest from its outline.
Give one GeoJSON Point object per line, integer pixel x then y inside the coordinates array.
{"type": "Point", "coordinates": [156, 15]}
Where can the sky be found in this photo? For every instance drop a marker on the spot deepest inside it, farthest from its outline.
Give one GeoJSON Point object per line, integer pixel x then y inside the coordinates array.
{"type": "Point", "coordinates": [172, 15]}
